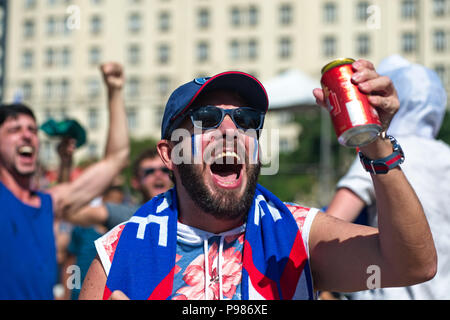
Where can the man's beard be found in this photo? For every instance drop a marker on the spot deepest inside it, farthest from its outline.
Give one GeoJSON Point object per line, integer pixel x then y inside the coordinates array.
{"type": "Point", "coordinates": [223, 205]}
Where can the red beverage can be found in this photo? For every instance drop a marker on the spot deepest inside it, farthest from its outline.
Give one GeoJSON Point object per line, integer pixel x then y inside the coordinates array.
{"type": "Point", "coordinates": [355, 121]}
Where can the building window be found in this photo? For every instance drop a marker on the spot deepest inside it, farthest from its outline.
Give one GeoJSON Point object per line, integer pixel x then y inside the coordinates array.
{"type": "Point", "coordinates": [132, 118]}
{"type": "Point", "coordinates": [361, 11]}
{"type": "Point", "coordinates": [253, 16]}
{"type": "Point", "coordinates": [65, 88]}
{"type": "Point", "coordinates": [134, 23]}
{"type": "Point", "coordinates": [330, 12]}
{"type": "Point", "coordinates": [163, 84]}
{"type": "Point", "coordinates": [363, 45]}
{"type": "Point", "coordinates": [66, 57]}
{"type": "Point", "coordinates": [439, 41]}
{"type": "Point", "coordinates": [28, 29]}
{"type": "Point", "coordinates": [49, 57]}
{"type": "Point", "coordinates": [235, 49]}
{"type": "Point", "coordinates": [203, 18]}
{"type": "Point", "coordinates": [408, 9]}
{"type": "Point", "coordinates": [93, 88]}
{"type": "Point", "coordinates": [30, 4]}
{"type": "Point", "coordinates": [27, 90]}
{"type": "Point", "coordinates": [329, 46]}
{"type": "Point", "coordinates": [27, 59]}
{"type": "Point", "coordinates": [409, 42]}
{"type": "Point", "coordinates": [48, 89]}
{"type": "Point", "coordinates": [202, 51]}
{"type": "Point", "coordinates": [235, 17]}
{"type": "Point", "coordinates": [164, 21]}
{"type": "Point", "coordinates": [134, 54]}
{"type": "Point", "coordinates": [94, 56]}
{"type": "Point", "coordinates": [93, 118]}
{"type": "Point", "coordinates": [285, 48]}
{"type": "Point", "coordinates": [51, 26]}
{"type": "Point", "coordinates": [96, 25]}
{"type": "Point", "coordinates": [440, 8]}
{"type": "Point", "coordinates": [163, 54]}
{"type": "Point", "coordinates": [253, 49]}
{"type": "Point", "coordinates": [285, 13]}
{"type": "Point", "coordinates": [133, 85]}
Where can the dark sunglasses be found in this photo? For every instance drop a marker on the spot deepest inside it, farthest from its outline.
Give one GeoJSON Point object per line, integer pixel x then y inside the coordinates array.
{"type": "Point", "coordinates": [150, 171]}
{"type": "Point", "coordinates": [210, 117]}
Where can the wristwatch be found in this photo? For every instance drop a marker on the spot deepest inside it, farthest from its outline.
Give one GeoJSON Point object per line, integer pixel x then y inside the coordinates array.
{"type": "Point", "coordinates": [383, 165]}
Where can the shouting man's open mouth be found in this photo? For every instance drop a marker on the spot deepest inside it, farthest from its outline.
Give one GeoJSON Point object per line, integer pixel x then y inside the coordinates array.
{"type": "Point", "coordinates": [226, 170]}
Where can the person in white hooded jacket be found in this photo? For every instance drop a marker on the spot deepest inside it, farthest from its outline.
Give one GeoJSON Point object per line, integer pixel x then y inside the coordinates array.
{"type": "Point", "coordinates": [415, 125]}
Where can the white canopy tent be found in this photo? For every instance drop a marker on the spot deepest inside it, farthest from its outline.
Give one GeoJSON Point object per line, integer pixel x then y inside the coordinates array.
{"type": "Point", "coordinates": [291, 90]}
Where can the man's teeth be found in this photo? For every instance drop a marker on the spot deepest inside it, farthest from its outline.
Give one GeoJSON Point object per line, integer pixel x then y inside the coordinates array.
{"type": "Point", "coordinates": [26, 150]}
{"type": "Point", "coordinates": [227, 154]}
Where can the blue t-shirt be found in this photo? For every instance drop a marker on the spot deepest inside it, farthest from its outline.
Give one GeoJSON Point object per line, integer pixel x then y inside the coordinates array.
{"type": "Point", "coordinates": [28, 267]}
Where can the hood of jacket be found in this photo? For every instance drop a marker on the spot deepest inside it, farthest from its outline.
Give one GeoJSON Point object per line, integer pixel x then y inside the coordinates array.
{"type": "Point", "coordinates": [422, 98]}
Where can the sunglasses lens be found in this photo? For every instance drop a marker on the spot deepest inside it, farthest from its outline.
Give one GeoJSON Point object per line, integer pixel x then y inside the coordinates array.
{"type": "Point", "coordinates": [165, 170]}
{"type": "Point", "coordinates": [148, 171]}
{"type": "Point", "coordinates": [209, 116]}
{"type": "Point", "coordinates": [247, 118]}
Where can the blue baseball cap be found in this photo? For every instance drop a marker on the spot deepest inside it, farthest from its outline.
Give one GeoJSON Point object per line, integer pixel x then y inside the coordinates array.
{"type": "Point", "coordinates": [247, 86]}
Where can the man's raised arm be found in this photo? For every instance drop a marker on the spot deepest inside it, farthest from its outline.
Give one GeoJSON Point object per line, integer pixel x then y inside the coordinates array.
{"type": "Point", "coordinates": [401, 250]}
{"type": "Point", "coordinates": [70, 197]}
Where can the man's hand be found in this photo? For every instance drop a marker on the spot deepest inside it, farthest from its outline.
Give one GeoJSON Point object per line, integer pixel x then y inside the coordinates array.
{"type": "Point", "coordinates": [113, 75]}
{"type": "Point", "coordinates": [66, 148]}
{"type": "Point", "coordinates": [118, 295]}
{"type": "Point", "coordinates": [380, 90]}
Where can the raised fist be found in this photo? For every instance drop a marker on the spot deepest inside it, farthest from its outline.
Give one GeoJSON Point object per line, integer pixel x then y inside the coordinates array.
{"type": "Point", "coordinates": [113, 75]}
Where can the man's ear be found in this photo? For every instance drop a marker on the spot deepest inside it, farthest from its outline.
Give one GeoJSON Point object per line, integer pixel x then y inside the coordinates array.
{"type": "Point", "coordinates": [164, 148]}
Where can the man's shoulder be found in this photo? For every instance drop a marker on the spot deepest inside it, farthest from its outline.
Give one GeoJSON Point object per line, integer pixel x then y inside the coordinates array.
{"type": "Point", "coordinates": [106, 245]}
{"type": "Point", "coordinates": [299, 212]}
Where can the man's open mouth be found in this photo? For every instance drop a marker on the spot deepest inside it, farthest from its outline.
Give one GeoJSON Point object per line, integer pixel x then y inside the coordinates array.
{"type": "Point", "coordinates": [26, 151]}
{"type": "Point", "coordinates": [226, 169]}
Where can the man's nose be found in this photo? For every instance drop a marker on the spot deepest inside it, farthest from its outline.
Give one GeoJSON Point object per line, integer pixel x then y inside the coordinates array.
{"type": "Point", "coordinates": [227, 124]}
{"type": "Point", "coordinates": [27, 134]}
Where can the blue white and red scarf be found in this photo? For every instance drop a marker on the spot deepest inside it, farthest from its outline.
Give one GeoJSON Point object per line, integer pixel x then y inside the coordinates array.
{"type": "Point", "coordinates": [274, 256]}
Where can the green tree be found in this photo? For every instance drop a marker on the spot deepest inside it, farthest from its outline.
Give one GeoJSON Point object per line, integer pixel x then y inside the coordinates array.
{"type": "Point", "coordinates": [444, 133]}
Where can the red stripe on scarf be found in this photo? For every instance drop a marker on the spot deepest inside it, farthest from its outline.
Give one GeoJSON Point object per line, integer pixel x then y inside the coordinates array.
{"type": "Point", "coordinates": [106, 293]}
{"type": "Point", "coordinates": [164, 289]}
{"type": "Point", "coordinates": [294, 268]}
{"type": "Point", "coordinates": [265, 286]}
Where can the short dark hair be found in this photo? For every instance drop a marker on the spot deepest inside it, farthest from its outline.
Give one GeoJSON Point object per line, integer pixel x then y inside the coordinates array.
{"type": "Point", "coordinates": [13, 110]}
{"type": "Point", "coordinates": [146, 154]}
